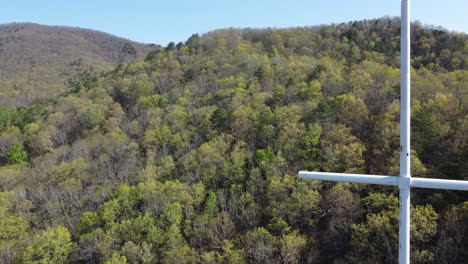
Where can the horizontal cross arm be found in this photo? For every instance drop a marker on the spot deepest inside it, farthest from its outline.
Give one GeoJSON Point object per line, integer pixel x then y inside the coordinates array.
{"type": "Point", "coordinates": [386, 180]}
{"type": "Point", "coordinates": [439, 184]}
{"type": "Point", "coordinates": [347, 177]}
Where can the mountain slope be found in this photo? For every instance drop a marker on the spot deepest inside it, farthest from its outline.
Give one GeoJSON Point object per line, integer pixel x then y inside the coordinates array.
{"type": "Point", "coordinates": [33, 56]}
{"type": "Point", "coordinates": [191, 155]}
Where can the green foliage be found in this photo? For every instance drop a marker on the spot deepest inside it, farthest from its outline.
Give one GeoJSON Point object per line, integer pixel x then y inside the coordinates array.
{"type": "Point", "coordinates": [292, 246]}
{"type": "Point", "coordinates": [88, 221]}
{"type": "Point", "coordinates": [424, 225]}
{"type": "Point", "coordinates": [109, 211]}
{"type": "Point", "coordinates": [191, 155]}
{"type": "Point", "coordinates": [52, 246]}
{"type": "Point", "coordinates": [220, 119]}
{"type": "Point", "coordinates": [16, 155]}
{"type": "Point", "coordinates": [138, 253]}
{"type": "Point", "coordinates": [295, 201]}
{"type": "Point", "coordinates": [95, 117]}
{"type": "Point", "coordinates": [12, 228]}
{"type": "Point", "coordinates": [381, 229]}
{"type": "Point", "coordinates": [172, 214]}
{"type": "Point", "coordinates": [231, 254]}
{"type": "Point", "coordinates": [312, 146]}
{"type": "Point", "coordinates": [85, 79]}
{"type": "Point", "coordinates": [19, 116]}
{"type": "Point", "coordinates": [264, 155]}
{"type": "Point", "coordinates": [116, 259]}
{"type": "Point", "coordinates": [425, 128]}
{"type": "Point", "coordinates": [342, 151]}
{"type": "Point", "coordinates": [211, 205]}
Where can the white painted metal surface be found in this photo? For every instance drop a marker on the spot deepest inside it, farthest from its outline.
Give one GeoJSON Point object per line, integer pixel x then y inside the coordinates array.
{"type": "Point", "coordinates": [346, 177]}
{"type": "Point", "coordinates": [405, 151]}
{"type": "Point", "coordinates": [439, 184]}
{"type": "Point", "coordinates": [404, 181]}
{"type": "Point", "coordinates": [385, 180]}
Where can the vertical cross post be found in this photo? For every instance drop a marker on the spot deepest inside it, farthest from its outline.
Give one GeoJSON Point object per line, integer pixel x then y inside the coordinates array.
{"type": "Point", "coordinates": [404, 180]}
{"type": "Point", "coordinates": [405, 151]}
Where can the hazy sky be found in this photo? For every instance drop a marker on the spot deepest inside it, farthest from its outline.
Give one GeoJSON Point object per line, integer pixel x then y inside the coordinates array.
{"type": "Point", "coordinates": [175, 20]}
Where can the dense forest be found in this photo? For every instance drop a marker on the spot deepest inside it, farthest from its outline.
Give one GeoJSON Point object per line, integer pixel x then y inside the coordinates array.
{"type": "Point", "coordinates": [35, 59]}
{"type": "Point", "coordinates": [191, 154]}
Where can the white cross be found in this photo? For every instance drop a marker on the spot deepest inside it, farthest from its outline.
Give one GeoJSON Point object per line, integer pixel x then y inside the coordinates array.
{"type": "Point", "coordinates": [404, 181]}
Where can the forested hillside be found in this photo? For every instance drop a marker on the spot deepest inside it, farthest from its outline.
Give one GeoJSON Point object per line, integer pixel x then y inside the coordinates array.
{"type": "Point", "coordinates": [35, 60]}
{"type": "Point", "coordinates": [191, 155]}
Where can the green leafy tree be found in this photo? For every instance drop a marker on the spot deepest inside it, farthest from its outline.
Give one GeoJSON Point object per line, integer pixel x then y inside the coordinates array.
{"type": "Point", "coordinates": [16, 155]}
{"type": "Point", "coordinates": [231, 254]}
{"type": "Point", "coordinates": [116, 259]}
{"type": "Point", "coordinates": [341, 151]}
{"type": "Point", "coordinates": [312, 146]}
{"type": "Point", "coordinates": [220, 119]}
{"type": "Point", "coordinates": [291, 247]}
{"type": "Point", "coordinates": [211, 205]}
{"type": "Point", "coordinates": [376, 240]}
{"type": "Point", "coordinates": [52, 246]}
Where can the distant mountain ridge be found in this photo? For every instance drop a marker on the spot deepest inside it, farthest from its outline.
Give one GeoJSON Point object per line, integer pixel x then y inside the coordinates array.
{"type": "Point", "coordinates": [38, 55]}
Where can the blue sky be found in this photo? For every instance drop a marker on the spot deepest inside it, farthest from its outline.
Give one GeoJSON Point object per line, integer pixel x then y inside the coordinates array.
{"type": "Point", "coordinates": [175, 20]}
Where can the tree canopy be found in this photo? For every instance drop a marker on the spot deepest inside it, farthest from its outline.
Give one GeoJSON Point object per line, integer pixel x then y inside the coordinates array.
{"type": "Point", "coordinates": [191, 155]}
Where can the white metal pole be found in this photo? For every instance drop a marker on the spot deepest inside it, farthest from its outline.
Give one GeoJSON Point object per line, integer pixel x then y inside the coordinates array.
{"type": "Point", "coordinates": [405, 175]}
{"type": "Point", "coordinates": [439, 184]}
{"type": "Point", "coordinates": [348, 177]}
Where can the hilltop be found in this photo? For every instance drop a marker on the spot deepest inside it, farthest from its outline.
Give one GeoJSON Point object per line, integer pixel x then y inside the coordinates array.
{"type": "Point", "coordinates": [38, 57]}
